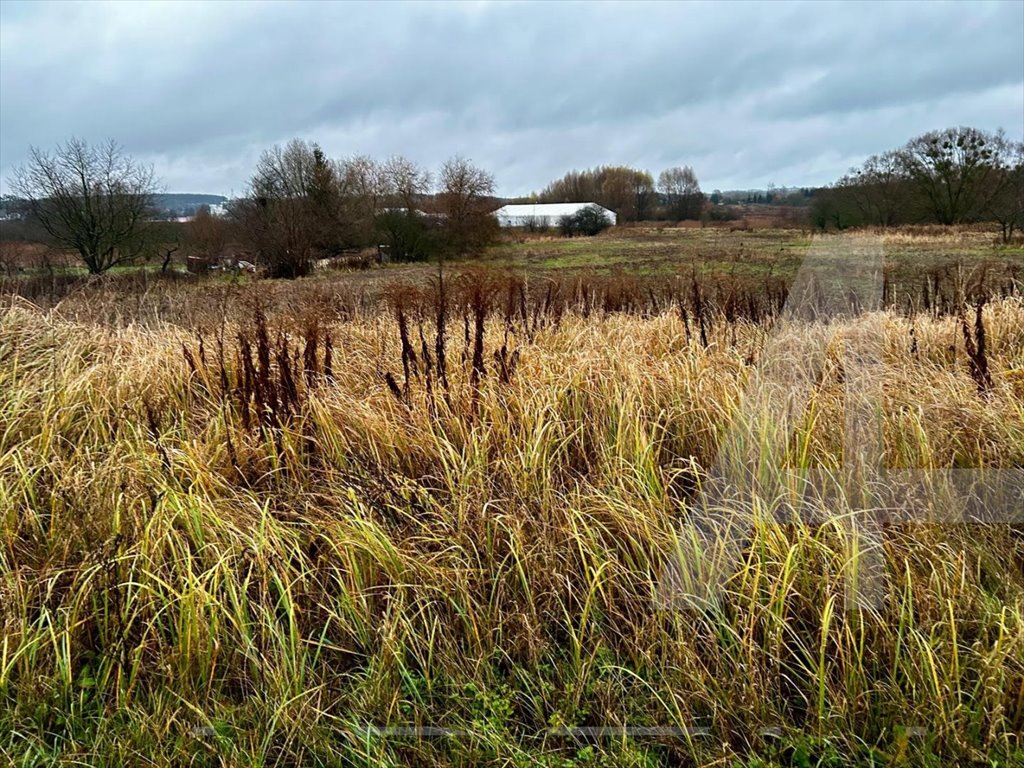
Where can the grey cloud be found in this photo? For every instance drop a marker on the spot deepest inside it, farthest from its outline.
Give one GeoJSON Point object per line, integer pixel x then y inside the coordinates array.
{"type": "Point", "coordinates": [790, 93]}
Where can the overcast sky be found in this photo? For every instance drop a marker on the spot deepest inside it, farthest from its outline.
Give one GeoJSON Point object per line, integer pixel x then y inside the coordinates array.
{"type": "Point", "coordinates": [791, 94]}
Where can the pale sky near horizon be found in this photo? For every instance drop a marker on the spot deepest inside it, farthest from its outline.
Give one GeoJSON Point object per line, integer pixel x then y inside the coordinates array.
{"type": "Point", "coordinates": [746, 93]}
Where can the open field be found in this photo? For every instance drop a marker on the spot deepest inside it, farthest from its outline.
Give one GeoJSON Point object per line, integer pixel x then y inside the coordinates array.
{"type": "Point", "coordinates": [650, 258]}
{"type": "Point", "coordinates": [371, 518]}
{"type": "Point", "coordinates": [667, 250]}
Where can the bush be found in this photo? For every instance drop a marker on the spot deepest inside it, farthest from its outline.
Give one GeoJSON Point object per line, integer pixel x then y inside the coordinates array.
{"type": "Point", "coordinates": [722, 213]}
{"type": "Point", "coordinates": [409, 236]}
{"type": "Point", "coordinates": [536, 224]}
{"type": "Point", "coordinates": [567, 225]}
{"type": "Point", "coordinates": [587, 221]}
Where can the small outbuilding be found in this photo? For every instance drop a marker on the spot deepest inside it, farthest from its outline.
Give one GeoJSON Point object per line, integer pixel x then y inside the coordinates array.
{"type": "Point", "coordinates": [544, 214]}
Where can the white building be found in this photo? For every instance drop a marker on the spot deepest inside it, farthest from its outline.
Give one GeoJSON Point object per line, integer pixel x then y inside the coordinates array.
{"type": "Point", "coordinates": [543, 214]}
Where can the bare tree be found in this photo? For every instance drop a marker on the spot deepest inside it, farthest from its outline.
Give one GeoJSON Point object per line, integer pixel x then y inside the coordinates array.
{"type": "Point", "coordinates": [617, 192]}
{"type": "Point", "coordinates": [465, 200]}
{"type": "Point", "coordinates": [406, 182]}
{"type": "Point", "coordinates": [1007, 198]}
{"type": "Point", "coordinates": [679, 187]}
{"type": "Point", "coordinates": [364, 189]}
{"type": "Point", "coordinates": [643, 194]}
{"type": "Point", "coordinates": [9, 259]}
{"type": "Point", "coordinates": [952, 171]}
{"type": "Point", "coordinates": [629, 192]}
{"type": "Point", "coordinates": [292, 216]}
{"type": "Point", "coordinates": [878, 190]}
{"type": "Point", "coordinates": [400, 224]}
{"type": "Point", "coordinates": [207, 236]}
{"type": "Point", "coordinates": [94, 200]}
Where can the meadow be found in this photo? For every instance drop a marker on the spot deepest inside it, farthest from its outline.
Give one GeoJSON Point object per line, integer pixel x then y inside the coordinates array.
{"type": "Point", "coordinates": [470, 516]}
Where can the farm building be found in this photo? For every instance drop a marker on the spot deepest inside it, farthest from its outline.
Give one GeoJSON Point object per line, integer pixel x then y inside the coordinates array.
{"type": "Point", "coordinates": [543, 214]}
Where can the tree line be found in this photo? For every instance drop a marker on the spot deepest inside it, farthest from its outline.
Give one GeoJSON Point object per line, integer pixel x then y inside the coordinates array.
{"type": "Point", "coordinates": [633, 194]}
{"type": "Point", "coordinates": [303, 205]}
{"type": "Point", "coordinates": [300, 206]}
{"type": "Point", "coordinates": [959, 175]}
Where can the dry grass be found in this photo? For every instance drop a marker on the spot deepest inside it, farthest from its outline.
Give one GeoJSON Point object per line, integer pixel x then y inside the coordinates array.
{"type": "Point", "coordinates": [192, 572]}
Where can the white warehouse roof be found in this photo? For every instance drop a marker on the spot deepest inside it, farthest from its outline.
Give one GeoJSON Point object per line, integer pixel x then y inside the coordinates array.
{"type": "Point", "coordinates": [517, 215]}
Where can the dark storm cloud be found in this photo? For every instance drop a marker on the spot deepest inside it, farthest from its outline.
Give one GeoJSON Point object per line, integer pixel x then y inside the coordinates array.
{"type": "Point", "coordinates": [747, 94]}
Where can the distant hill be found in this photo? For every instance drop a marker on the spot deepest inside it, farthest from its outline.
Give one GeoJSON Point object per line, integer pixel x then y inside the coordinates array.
{"type": "Point", "coordinates": [179, 199]}
{"type": "Point", "coordinates": [175, 205]}
{"type": "Point", "coordinates": [180, 204]}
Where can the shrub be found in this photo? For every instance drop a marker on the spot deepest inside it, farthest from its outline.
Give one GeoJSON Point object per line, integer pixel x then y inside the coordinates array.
{"type": "Point", "coordinates": [409, 236]}
{"type": "Point", "coordinates": [587, 221]}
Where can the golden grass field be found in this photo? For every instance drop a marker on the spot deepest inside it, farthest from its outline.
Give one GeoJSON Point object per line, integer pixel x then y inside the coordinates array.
{"type": "Point", "coordinates": [246, 524]}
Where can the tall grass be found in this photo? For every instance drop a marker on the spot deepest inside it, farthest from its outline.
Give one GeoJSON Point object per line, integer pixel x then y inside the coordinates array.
{"type": "Point", "coordinates": [232, 550]}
